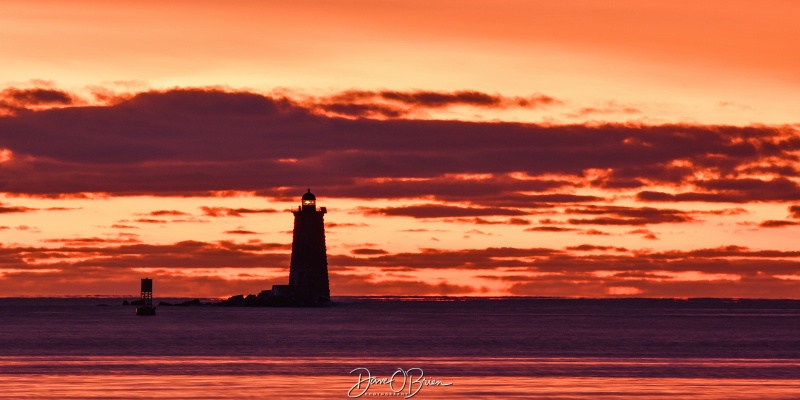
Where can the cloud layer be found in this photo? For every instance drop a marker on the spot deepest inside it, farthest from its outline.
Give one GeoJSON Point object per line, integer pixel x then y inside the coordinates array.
{"type": "Point", "coordinates": [596, 180]}
{"type": "Point", "coordinates": [590, 270]}
{"type": "Point", "coordinates": [193, 140]}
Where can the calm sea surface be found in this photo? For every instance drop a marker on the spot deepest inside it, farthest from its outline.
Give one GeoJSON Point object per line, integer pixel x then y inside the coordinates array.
{"type": "Point", "coordinates": [514, 348]}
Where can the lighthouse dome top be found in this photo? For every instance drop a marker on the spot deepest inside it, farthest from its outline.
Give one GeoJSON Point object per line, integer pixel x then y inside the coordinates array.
{"type": "Point", "coordinates": [309, 196]}
{"type": "Point", "coordinates": [309, 202]}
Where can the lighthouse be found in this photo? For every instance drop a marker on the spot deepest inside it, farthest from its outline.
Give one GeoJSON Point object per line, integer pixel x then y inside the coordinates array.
{"type": "Point", "coordinates": [308, 271]}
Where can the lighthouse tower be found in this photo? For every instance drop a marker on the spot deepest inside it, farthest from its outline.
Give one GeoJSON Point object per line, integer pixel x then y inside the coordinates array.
{"type": "Point", "coordinates": [308, 272]}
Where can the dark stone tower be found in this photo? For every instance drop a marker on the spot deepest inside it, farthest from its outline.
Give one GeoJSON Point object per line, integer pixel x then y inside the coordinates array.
{"type": "Point", "coordinates": [308, 273]}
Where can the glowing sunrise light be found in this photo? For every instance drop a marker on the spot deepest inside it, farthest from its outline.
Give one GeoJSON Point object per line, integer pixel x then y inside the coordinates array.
{"type": "Point", "coordinates": [623, 291]}
{"type": "Point", "coordinates": [6, 155]}
{"type": "Point", "coordinates": [626, 140]}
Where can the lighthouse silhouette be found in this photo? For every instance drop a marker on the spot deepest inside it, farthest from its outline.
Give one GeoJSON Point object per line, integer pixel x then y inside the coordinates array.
{"type": "Point", "coordinates": [308, 271]}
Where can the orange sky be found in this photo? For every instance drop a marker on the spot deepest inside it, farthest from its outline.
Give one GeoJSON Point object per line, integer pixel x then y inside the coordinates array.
{"type": "Point", "coordinates": [710, 61]}
{"type": "Point", "coordinates": [668, 202]}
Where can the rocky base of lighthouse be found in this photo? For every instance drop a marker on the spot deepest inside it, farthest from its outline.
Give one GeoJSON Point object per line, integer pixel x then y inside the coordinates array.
{"type": "Point", "coordinates": [279, 296]}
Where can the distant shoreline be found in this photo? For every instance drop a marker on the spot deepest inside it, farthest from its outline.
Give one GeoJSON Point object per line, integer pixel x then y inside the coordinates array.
{"type": "Point", "coordinates": [425, 298]}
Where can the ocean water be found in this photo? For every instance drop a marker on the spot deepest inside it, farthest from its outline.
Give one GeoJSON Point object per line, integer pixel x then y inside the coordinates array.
{"type": "Point", "coordinates": [423, 348]}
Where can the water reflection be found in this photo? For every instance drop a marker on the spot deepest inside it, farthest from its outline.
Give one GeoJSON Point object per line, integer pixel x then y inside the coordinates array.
{"type": "Point", "coordinates": [323, 378]}
{"type": "Point", "coordinates": [330, 387]}
{"type": "Point", "coordinates": [488, 348]}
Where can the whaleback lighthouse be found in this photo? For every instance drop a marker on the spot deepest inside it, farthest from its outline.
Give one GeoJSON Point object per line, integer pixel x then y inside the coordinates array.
{"type": "Point", "coordinates": [308, 271]}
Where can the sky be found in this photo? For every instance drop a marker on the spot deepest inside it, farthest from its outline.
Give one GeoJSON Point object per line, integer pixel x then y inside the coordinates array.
{"type": "Point", "coordinates": [530, 148]}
